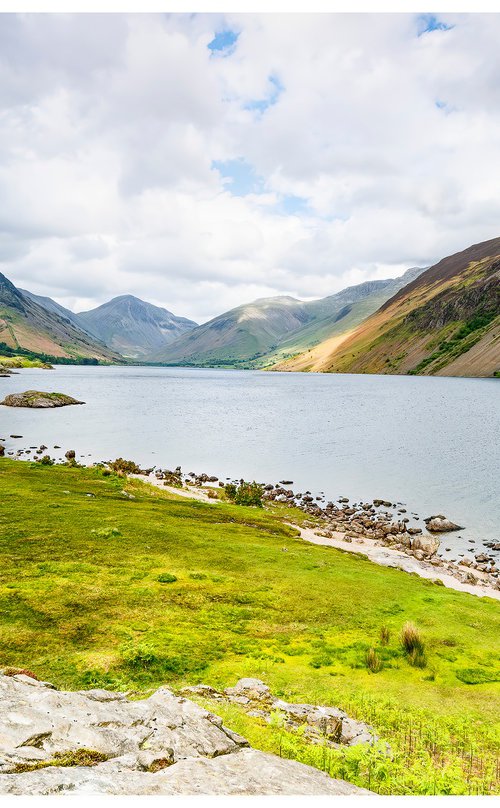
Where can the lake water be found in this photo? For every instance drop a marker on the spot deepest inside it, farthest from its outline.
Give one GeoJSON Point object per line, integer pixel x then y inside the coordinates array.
{"type": "Point", "coordinates": [431, 443]}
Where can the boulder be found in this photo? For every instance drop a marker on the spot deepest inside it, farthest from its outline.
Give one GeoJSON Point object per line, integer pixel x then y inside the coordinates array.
{"type": "Point", "coordinates": [428, 545]}
{"type": "Point", "coordinates": [98, 742]}
{"type": "Point", "coordinates": [440, 524]}
{"type": "Point", "coordinates": [38, 400]}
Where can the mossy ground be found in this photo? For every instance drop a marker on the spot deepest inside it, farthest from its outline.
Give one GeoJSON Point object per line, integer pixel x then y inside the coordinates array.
{"type": "Point", "coordinates": [82, 604]}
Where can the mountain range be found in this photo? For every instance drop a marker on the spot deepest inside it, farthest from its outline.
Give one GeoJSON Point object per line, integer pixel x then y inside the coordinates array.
{"type": "Point", "coordinates": [440, 320]}
{"type": "Point", "coordinates": [445, 322]}
{"type": "Point", "coordinates": [260, 333]}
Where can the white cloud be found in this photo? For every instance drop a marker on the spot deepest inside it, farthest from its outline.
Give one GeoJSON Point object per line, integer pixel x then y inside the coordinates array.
{"type": "Point", "coordinates": [110, 126]}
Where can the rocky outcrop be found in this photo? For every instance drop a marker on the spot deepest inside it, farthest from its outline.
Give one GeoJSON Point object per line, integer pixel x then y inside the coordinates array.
{"type": "Point", "coordinates": [320, 724]}
{"type": "Point", "coordinates": [38, 400]}
{"type": "Point", "coordinates": [98, 742]}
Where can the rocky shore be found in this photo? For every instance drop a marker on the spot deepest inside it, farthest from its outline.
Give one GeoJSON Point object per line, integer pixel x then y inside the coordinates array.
{"type": "Point", "coordinates": [99, 742]}
{"type": "Point", "coordinates": [369, 528]}
{"type": "Point", "coordinates": [382, 530]}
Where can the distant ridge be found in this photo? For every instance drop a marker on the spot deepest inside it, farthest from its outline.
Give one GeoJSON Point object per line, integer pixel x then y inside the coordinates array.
{"type": "Point", "coordinates": [260, 333]}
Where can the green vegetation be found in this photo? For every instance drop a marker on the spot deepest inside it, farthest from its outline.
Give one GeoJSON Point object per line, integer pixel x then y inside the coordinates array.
{"type": "Point", "coordinates": [462, 340]}
{"type": "Point", "coordinates": [79, 757]}
{"type": "Point", "coordinates": [45, 359]}
{"type": "Point", "coordinates": [81, 604]}
{"type": "Point", "coordinates": [245, 493]}
{"type": "Point", "coordinates": [23, 362]}
{"type": "Point", "coordinates": [124, 466]}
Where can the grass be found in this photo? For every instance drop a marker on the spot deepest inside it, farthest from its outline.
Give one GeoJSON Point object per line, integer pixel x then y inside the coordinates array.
{"type": "Point", "coordinates": [78, 757]}
{"type": "Point", "coordinates": [22, 362]}
{"type": "Point", "coordinates": [82, 605]}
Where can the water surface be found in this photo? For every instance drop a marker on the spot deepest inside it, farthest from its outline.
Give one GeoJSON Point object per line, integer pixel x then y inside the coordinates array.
{"type": "Point", "coordinates": [431, 443]}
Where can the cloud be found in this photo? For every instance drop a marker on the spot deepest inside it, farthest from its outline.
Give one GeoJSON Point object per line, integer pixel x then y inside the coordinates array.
{"type": "Point", "coordinates": [200, 161]}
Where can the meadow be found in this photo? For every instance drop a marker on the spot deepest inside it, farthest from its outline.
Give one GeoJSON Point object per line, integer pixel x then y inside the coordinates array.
{"type": "Point", "coordinates": [108, 582]}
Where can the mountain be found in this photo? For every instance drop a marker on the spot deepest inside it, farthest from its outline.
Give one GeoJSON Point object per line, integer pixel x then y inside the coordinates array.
{"type": "Point", "coordinates": [445, 322]}
{"type": "Point", "coordinates": [133, 327]}
{"type": "Point", "coordinates": [339, 313]}
{"type": "Point", "coordinates": [271, 329]}
{"type": "Point", "coordinates": [24, 323]}
{"type": "Point", "coordinates": [51, 305]}
{"type": "Point", "coordinates": [237, 337]}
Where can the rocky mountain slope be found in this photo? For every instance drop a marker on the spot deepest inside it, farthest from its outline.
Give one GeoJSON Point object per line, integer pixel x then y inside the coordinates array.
{"type": "Point", "coordinates": [98, 742]}
{"type": "Point", "coordinates": [445, 322]}
{"type": "Point", "coordinates": [133, 327]}
{"type": "Point", "coordinates": [52, 306]}
{"type": "Point", "coordinates": [261, 333]}
{"type": "Point", "coordinates": [26, 324]}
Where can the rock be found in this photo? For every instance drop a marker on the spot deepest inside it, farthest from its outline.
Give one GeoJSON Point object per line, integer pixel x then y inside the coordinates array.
{"type": "Point", "coordinates": [2, 450]}
{"type": "Point", "coordinates": [440, 524]}
{"type": "Point", "coordinates": [162, 745]}
{"type": "Point", "coordinates": [323, 723]}
{"type": "Point", "coordinates": [428, 545]}
{"type": "Point", "coordinates": [70, 454]}
{"type": "Point", "coordinates": [38, 400]}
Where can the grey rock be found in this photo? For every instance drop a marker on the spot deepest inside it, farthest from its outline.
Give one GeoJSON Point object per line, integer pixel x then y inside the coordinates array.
{"type": "Point", "coordinates": [440, 524]}
{"type": "Point", "coordinates": [164, 744]}
{"type": "Point", "coordinates": [428, 545]}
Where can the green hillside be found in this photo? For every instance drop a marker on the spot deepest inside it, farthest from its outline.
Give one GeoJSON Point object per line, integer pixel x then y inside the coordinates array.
{"type": "Point", "coordinates": [85, 602]}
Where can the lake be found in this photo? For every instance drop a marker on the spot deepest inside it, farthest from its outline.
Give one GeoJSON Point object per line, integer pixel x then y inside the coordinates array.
{"type": "Point", "coordinates": [430, 443]}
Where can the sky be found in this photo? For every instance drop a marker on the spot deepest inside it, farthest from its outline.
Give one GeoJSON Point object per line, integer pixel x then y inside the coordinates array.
{"type": "Point", "coordinates": [200, 161]}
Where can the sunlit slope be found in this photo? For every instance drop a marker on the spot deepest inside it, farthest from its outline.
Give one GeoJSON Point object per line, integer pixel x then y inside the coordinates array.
{"type": "Point", "coordinates": [446, 322]}
{"type": "Point", "coordinates": [259, 334]}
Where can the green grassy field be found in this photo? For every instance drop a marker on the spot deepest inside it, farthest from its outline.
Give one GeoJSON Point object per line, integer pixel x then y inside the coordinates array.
{"type": "Point", "coordinates": [81, 604]}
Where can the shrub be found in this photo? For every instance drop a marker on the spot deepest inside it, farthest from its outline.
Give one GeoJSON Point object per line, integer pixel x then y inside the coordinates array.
{"type": "Point", "coordinates": [125, 466]}
{"type": "Point", "coordinates": [373, 661]}
{"type": "Point", "coordinates": [166, 578]}
{"type": "Point", "coordinates": [385, 635]}
{"type": "Point", "coordinates": [46, 460]}
{"type": "Point", "coordinates": [245, 493]}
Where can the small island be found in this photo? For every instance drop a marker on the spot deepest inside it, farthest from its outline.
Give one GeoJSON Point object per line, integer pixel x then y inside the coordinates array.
{"type": "Point", "coordinates": [39, 400]}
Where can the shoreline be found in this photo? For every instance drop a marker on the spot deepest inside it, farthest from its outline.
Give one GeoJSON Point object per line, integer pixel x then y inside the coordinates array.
{"type": "Point", "coordinates": [371, 548]}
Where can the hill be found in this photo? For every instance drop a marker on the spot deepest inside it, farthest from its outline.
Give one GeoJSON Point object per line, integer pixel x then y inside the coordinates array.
{"type": "Point", "coordinates": [238, 337]}
{"type": "Point", "coordinates": [133, 327]}
{"type": "Point", "coordinates": [25, 324]}
{"type": "Point", "coordinates": [445, 322]}
{"type": "Point", "coordinates": [339, 313]}
{"type": "Point", "coordinates": [271, 329]}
